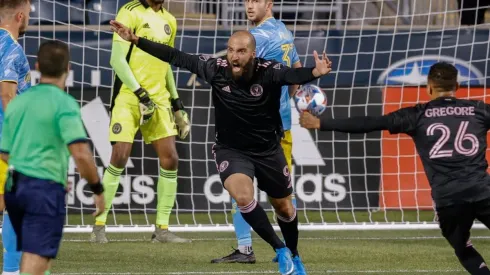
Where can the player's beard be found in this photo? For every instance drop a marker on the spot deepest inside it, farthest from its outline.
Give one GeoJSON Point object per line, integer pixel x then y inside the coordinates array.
{"type": "Point", "coordinates": [245, 73]}
{"type": "Point", "coordinates": [23, 27]}
{"type": "Point", "coordinates": [158, 1]}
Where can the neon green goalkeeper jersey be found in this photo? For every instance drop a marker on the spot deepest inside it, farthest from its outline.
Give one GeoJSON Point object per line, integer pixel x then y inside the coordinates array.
{"type": "Point", "coordinates": [38, 127]}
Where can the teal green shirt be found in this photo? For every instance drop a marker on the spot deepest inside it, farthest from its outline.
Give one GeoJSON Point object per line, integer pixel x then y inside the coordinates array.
{"type": "Point", "coordinates": [38, 127]}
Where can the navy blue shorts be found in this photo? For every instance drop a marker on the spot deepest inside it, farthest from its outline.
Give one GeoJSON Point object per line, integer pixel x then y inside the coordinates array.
{"type": "Point", "coordinates": [37, 211]}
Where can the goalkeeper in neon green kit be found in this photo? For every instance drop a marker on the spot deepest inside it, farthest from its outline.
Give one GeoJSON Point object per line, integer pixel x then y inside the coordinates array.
{"type": "Point", "coordinates": [145, 98]}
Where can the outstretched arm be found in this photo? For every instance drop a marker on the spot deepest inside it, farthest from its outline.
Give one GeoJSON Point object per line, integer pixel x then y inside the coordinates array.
{"type": "Point", "coordinates": [361, 124]}
{"type": "Point", "coordinates": [283, 75]}
{"type": "Point", "coordinates": [193, 63]}
{"type": "Point", "coordinates": [401, 121]}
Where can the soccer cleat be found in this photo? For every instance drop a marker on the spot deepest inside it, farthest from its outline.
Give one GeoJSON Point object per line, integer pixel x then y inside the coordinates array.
{"type": "Point", "coordinates": [164, 236]}
{"type": "Point", "coordinates": [236, 257]}
{"type": "Point", "coordinates": [299, 267]}
{"type": "Point", "coordinates": [98, 234]}
{"type": "Point", "coordinates": [286, 266]}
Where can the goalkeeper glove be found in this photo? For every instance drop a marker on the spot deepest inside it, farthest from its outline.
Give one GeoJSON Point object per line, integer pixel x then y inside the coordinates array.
{"type": "Point", "coordinates": [147, 107]}
{"type": "Point", "coordinates": [181, 118]}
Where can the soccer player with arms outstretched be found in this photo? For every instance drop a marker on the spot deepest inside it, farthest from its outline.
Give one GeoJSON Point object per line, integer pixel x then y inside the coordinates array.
{"type": "Point", "coordinates": [14, 79]}
{"type": "Point", "coordinates": [36, 144]}
{"type": "Point", "coordinates": [450, 135]}
{"type": "Point", "coordinates": [145, 97]}
{"type": "Point", "coordinates": [274, 42]}
{"type": "Point", "coordinates": [246, 95]}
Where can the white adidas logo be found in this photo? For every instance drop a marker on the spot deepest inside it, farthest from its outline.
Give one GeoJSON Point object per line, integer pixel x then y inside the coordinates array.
{"type": "Point", "coordinates": [227, 89]}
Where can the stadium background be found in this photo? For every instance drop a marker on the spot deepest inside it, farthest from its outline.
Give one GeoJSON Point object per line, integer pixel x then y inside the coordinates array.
{"type": "Point", "coordinates": [378, 50]}
{"type": "Point", "coordinates": [381, 51]}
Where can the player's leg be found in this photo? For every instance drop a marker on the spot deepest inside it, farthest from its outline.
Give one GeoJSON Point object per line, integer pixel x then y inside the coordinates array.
{"type": "Point", "coordinates": [244, 254]}
{"type": "Point", "coordinates": [287, 148]}
{"type": "Point", "coordinates": [11, 257]}
{"type": "Point", "coordinates": [124, 125]}
{"type": "Point", "coordinates": [161, 131]}
{"type": "Point", "coordinates": [42, 226]}
{"type": "Point", "coordinates": [455, 223]}
{"type": "Point", "coordinates": [274, 178]}
{"type": "Point", "coordinates": [237, 173]}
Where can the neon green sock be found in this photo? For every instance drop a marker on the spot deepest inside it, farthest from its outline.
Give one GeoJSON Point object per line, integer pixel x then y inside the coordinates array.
{"type": "Point", "coordinates": [47, 272]}
{"type": "Point", "coordinates": [167, 191]}
{"type": "Point", "coordinates": [112, 176]}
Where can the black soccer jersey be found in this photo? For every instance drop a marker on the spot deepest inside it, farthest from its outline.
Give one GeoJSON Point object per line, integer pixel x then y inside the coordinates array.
{"type": "Point", "coordinates": [450, 135]}
{"type": "Point", "coordinates": [247, 114]}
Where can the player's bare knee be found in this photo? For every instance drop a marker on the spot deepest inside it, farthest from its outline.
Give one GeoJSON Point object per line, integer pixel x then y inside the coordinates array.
{"type": "Point", "coordinates": [170, 161]}
{"type": "Point", "coordinates": [167, 153]}
{"type": "Point", "coordinates": [241, 188]}
{"type": "Point", "coordinates": [120, 154]}
{"type": "Point", "coordinates": [284, 207]}
{"type": "Point", "coordinates": [243, 199]}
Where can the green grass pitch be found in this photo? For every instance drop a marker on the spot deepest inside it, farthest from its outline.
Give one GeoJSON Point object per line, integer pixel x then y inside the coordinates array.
{"type": "Point", "coordinates": [324, 252]}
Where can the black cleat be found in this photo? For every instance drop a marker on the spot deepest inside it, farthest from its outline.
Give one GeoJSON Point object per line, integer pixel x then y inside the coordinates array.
{"type": "Point", "coordinates": [236, 257]}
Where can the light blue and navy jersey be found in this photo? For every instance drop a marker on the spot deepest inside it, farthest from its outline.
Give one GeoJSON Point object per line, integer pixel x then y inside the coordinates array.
{"type": "Point", "coordinates": [14, 66]}
{"type": "Point", "coordinates": [276, 42]}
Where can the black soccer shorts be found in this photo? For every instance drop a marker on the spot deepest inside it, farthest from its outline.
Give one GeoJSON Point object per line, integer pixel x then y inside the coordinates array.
{"type": "Point", "coordinates": [455, 221]}
{"type": "Point", "coordinates": [272, 172]}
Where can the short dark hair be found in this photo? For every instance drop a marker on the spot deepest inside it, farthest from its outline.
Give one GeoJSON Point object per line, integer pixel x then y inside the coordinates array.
{"type": "Point", "coordinates": [53, 58]}
{"type": "Point", "coordinates": [443, 77]}
{"type": "Point", "coordinates": [12, 4]}
{"type": "Point", "coordinates": [6, 6]}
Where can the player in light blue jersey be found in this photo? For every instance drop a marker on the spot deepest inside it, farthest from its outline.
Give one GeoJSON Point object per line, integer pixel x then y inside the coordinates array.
{"type": "Point", "coordinates": [14, 79]}
{"type": "Point", "coordinates": [274, 42]}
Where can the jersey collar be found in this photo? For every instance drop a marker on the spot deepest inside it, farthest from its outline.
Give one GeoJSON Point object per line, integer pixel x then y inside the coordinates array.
{"type": "Point", "coordinates": [13, 38]}
{"type": "Point", "coordinates": [145, 4]}
{"type": "Point", "coordinates": [265, 20]}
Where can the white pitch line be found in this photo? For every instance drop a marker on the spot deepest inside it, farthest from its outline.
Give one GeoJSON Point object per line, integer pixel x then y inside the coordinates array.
{"type": "Point", "coordinates": [270, 272]}
{"type": "Point", "coordinates": [303, 239]}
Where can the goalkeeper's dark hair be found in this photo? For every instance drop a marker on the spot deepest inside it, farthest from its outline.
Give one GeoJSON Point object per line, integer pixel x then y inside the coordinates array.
{"type": "Point", "coordinates": [443, 77]}
{"type": "Point", "coordinates": [53, 58]}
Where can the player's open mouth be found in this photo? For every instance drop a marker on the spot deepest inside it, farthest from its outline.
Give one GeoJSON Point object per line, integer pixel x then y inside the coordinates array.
{"type": "Point", "coordinates": [236, 67]}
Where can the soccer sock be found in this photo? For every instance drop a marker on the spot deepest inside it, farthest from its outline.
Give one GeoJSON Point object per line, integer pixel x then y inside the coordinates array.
{"type": "Point", "coordinates": [111, 179]}
{"type": "Point", "coordinates": [242, 230]}
{"type": "Point", "coordinates": [47, 272]}
{"type": "Point", "coordinates": [167, 191]}
{"type": "Point", "coordinates": [473, 261]}
{"type": "Point", "coordinates": [256, 217]}
{"type": "Point", "coordinates": [11, 257]}
{"type": "Point", "coordinates": [289, 229]}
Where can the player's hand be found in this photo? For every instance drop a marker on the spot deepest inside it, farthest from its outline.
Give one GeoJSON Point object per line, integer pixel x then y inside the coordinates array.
{"type": "Point", "coordinates": [147, 107]}
{"type": "Point", "coordinates": [69, 186]}
{"type": "Point", "coordinates": [181, 118]}
{"type": "Point", "coordinates": [99, 205]}
{"type": "Point", "coordinates": [183, 124]}
{"type": "Point", "coordinates": [309, 121]}
{"type": "Point", "coordinates": [323, 66]}
{"type": "Point", "coordinates": [124, 32]}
